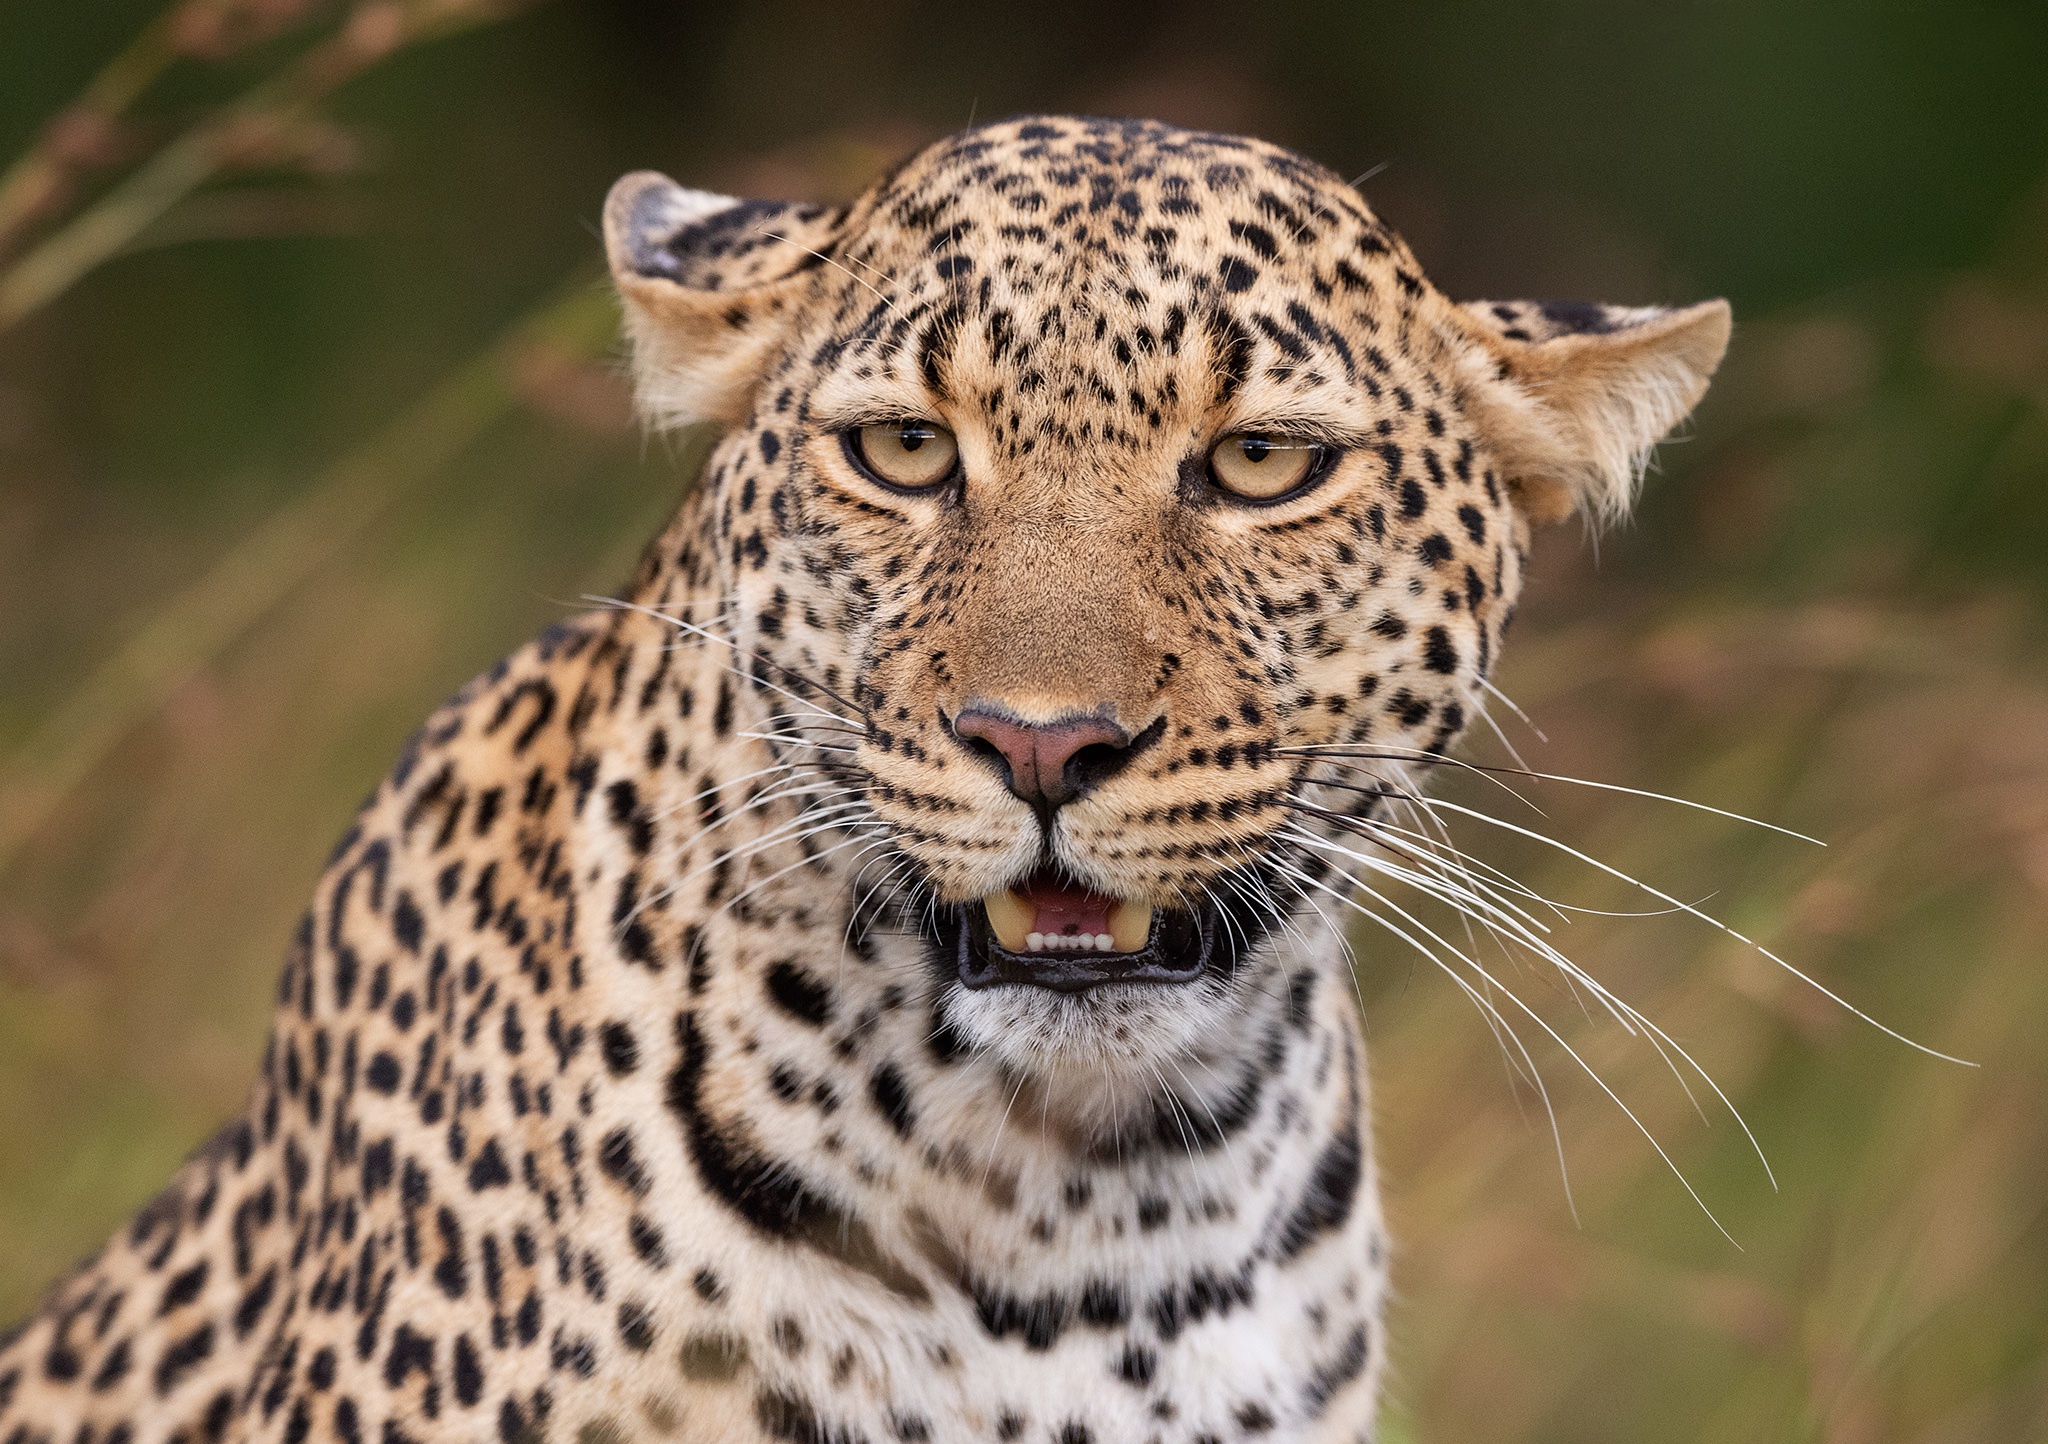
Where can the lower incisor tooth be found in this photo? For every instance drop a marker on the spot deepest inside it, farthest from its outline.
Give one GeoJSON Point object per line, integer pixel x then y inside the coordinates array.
{"type": "Point", "coordinates": [1130, 926]}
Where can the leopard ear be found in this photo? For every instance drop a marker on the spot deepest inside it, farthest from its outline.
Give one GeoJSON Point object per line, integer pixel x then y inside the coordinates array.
{"type": "Point", "coordinates": [1572, 396]}
{"type": "Point", "coordinates": [708, 285]}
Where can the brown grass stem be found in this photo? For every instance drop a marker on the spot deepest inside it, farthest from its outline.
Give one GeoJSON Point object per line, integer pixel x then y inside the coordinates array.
{"type": "Point", "coordinates": [37, 177]}
{"type": "Point", "coordinates": [374, 30]}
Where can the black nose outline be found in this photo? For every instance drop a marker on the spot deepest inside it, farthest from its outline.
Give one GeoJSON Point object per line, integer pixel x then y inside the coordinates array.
{"type": "Point", "coordinates": [1049, 764]}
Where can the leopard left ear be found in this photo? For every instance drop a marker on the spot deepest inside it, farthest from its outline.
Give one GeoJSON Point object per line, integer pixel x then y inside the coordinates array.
{"type": "Point", "coordinates": [1572, 396]}
{"type": "Point", "coordinates": [709, 286]}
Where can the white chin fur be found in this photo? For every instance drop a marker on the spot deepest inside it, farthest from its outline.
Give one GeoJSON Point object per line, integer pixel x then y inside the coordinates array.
{"type": "Point", "coordinates": [1133, 1028]}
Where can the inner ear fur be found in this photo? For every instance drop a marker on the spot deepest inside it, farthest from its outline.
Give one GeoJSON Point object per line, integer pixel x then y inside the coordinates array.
{"type": "Point", "coordinates": [707, 283]}
{"type": "Point", "coordinates": [1572, 396]}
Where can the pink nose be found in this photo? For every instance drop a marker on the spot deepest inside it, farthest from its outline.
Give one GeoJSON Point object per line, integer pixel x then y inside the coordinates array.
{"type": "Point", "coordinates": [1045, 763]}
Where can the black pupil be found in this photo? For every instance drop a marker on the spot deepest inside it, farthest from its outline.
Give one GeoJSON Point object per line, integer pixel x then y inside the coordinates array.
{"type": "Point", "coordinates": [913, 437]}
{"type": "Point", "coordinates": [1255, 448]}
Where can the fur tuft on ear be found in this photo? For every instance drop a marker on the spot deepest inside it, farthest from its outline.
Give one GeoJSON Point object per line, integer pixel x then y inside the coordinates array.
{"type": "Point", "coordinates": [1572, 396]}
{"type": "Point", "coordinates": [706, 282]}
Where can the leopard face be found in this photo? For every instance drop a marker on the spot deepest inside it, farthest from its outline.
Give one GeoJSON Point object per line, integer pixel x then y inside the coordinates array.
{"type": "Point", "coordinates": [1078, 483]}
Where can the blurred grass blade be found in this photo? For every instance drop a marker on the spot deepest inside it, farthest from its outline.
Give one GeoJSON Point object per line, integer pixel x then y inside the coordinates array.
{"type": "Point", "coordinates": [49, 270]}
{"type": "Point", "coordinates": [38, 173]}
{"type": "Point", "coordinates": [374, 30]}
{"type": "Point", "coordinates": [195, 626]}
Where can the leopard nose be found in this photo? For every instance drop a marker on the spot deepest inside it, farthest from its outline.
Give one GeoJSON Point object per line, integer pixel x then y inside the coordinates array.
{"type": "Point", "coordinates": [1045, 763]}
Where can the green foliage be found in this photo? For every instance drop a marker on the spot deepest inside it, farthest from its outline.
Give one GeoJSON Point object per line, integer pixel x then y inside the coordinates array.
{"type": "Point", "coordinates": [317, 432]}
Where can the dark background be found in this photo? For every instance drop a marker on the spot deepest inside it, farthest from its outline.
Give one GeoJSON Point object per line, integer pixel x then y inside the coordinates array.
{"type": "Point", "coordinates": [323, 435]}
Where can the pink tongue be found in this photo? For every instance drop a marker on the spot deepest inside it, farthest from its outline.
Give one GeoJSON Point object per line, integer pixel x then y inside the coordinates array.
{"type": "Point", "coordinates": [1057, 908]}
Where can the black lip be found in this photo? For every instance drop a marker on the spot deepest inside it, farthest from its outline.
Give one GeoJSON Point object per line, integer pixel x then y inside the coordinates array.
{"type": "Point", "coordinates": [1181, 946]}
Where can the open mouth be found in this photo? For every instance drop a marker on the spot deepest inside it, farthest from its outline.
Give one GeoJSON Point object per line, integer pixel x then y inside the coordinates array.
{"type": "Point", "coordinates": [1051, 933]}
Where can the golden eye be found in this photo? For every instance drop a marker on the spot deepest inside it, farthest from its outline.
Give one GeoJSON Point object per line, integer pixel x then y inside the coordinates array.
{"type": "Point", "coordinates": [1261, 466]}
{"type": "Point", "coordinates": [908, 455]}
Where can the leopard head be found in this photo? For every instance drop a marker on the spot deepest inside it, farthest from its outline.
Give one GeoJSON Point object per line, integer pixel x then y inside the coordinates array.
{"type": "Point", "coordinates": [1102, 473]}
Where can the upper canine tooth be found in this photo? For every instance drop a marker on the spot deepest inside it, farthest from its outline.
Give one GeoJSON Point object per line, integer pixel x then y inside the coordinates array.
{"type": "Point", "coordinates": [1130, 926]}
{"type": "Point", "coordinates": [1008, 918]}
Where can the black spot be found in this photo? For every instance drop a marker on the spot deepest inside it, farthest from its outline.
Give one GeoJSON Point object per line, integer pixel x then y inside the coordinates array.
{"type": "Point", "coordinates": [1202, 1293]}
{"type": "Point", "coordinates": [489, 1170]}
{"type": "Point", "coordinates": [112, 1370]}
{"type": "Point", "coordinates": [1104, 1304]}
{"type": "Point", "coordinates": [1326, 1203]}
{"type": "Point", "coordinates": [213, 1424]}
{"type": "Point", "coordinates": [790, 1418]}
{"type": "Point", "coordinates": [636, 1327]}
{"type": "Point", "coordinates": [452, 1272]}
{"type": "Point", "coordinates": [621, 1050]}
{"type": "Point", "coordinates": [647, 1241]}
{"type": "Point", "coordinates": [1040, 1321]}
{"type": "Point", "coordinates": [469, 1372]}
{"type": "Point", "coordinates": [1333, 1374]}
{"type": "Point", "coordinates": [799, 994]}
{"type": "Point", "coordinates": [1257, 237]}
{"type": "Point", "coordinates": [182, 1357]}
{"type": "Point", "coordinates": [183, 1288]}
{"type": "Point", "coordinates": [574, 1353]}
{"type": "Point", "coordinates": [406, 922]}
{"type": "Point", "coordinates": [378, 1166]}
{"type": "Point", "coordinates": [249, 1312]}
{"type": "Point", "coordinates": [620, 1163]}
{"type": "Point", "coordinates": [1236, 273]}
{"type": "Point", "coordinates": [410, 1352]}
{"type": "Point", "coordinates": [383, 1073]}
{"type": "Point", "coordinates": [945, 1041]}
{"type": "Point", "coordinates": [1584, 317]}
{"type": "Point", "coordinates": [1301, 990]}
{"type": "Point", "coordinates": [892, 1098]}
{"type": "Point", "coordinates": [1438, 653]}
{"type": "Point", "coordinates": [629, 816]}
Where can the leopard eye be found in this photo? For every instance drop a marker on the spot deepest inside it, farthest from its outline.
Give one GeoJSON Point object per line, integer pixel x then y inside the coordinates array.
{"type": "Point", "coordinates": [907, 455]}
{"type": "Point", "coordinates": [1263, 466]}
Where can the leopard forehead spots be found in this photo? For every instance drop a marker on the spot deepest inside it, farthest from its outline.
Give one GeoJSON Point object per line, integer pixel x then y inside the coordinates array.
{"type": "Point", "coordinates": [1107, 518]}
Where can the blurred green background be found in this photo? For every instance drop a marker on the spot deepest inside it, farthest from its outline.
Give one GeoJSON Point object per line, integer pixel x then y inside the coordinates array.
{"type": "Point", "coordinates": [309, 410]}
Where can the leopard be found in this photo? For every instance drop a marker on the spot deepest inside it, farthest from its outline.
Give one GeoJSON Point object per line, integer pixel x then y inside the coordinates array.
{"type": "Point", "coordinates": [875, 978]}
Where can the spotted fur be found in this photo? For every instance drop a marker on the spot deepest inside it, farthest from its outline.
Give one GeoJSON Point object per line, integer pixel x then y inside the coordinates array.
{"type": "Point", "coordinates": [620, 1087]}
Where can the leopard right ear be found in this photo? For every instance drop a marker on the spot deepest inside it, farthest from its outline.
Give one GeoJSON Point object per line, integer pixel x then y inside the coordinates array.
{"type": "Point", "coordinates": [1573, 395]}
{"type": "Point", "coordinates": [709, 285]}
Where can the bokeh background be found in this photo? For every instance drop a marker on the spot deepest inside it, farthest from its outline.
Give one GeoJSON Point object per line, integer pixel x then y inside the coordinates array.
{"type": "Point", "coordinates": [309, 409]}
